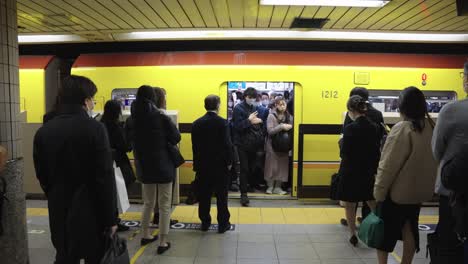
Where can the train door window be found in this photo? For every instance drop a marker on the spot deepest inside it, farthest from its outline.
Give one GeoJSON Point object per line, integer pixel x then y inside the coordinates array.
{"type": "Point", "coordinates": [267, 93]}
{"type": "Point", "coordinates": [386, 101]}
{"type": "Point", "coordinates": [125, 96]}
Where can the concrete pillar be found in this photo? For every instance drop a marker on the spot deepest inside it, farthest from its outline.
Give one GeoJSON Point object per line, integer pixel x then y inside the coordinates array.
{"type": "Point", "coordinates": [13, 243]}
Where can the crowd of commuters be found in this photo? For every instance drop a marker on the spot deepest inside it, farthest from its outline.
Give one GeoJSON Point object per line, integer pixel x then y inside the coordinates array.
{"type": "Point", "coordinates": [392, 172]}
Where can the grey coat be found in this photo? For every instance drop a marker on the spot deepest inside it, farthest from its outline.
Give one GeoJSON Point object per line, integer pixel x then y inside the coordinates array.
{"type": "Point", "coordinates": [450, 133]}
{"type": "Point", "coordinates": [276, 164]}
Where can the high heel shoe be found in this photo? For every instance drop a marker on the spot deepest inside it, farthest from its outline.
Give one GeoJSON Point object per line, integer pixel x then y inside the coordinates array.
{"type": "Point", "coordinates": [353, 240]}
{"type": "Point", "coordinates": [164, 249]}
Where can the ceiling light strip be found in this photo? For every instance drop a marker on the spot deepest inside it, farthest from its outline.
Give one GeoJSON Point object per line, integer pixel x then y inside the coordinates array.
{"type": "Point", "coordinates": [351, 3]}
{"type": "Point", "coordinates": [53, 38]}
{"type": "Point", "coordinates": [294, 35]}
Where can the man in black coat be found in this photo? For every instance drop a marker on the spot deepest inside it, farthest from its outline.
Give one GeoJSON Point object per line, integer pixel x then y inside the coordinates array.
{"type": "Point", "coordinates": [73, 163]}
{"type": "Point", "coordinates": [212, 159]}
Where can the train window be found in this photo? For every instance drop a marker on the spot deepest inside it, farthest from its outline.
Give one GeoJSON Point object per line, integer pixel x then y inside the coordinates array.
{"type": "Point", "coordinates": [267, 91]}
{"type": "Point", "coordinates": [125, 96]}
{"type": "Point", "coordinates": [387, 100]}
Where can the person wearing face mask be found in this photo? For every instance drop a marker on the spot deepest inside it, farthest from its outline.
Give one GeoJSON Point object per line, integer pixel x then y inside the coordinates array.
{"type": "Point", "coordinates": [359, 154]}
{"type": "Point", "coordinates": [265, 99]}
{"type": "Point", "coordinates": [73, 163]}
{"type": "Point", "coordinates": [212, 159]}
{"type": "Point", "coordinates": [248, 138]}
{"type": "Point", "coordinates": [277, 163]}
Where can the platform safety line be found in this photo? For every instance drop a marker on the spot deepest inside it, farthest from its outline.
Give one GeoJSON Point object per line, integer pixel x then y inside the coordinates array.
{"type": "Point", "coordinates": [397, 258]}
{"type": "Point", "coordinates": [142, 249]}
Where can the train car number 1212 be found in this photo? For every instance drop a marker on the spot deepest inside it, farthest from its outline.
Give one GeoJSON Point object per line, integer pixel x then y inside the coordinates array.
{"type": "Point", "coordinates": [329, 94]}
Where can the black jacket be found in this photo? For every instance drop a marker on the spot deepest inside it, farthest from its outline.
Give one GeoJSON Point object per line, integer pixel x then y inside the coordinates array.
{"type": "Point", "coordinates": [153, 133]}
{"type": "Point", "coordinates": [359, 160]}
{"type": "Point", "coordinates": [211, 145]}
{"type": "Point", "coordinates": [73, 163]}
{"type": "Point", "coordinates": [120, 146]}
{"type": "Point", "coordinates": [241, 123]}
{"type": "Point", "coordinates": [375, 116]}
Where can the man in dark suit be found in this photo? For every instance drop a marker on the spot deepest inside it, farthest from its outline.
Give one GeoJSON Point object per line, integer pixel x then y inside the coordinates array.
{"type": "Point", "coordinates": [73, 163]}
{"type": "Point", "coordinates": [212, 159]}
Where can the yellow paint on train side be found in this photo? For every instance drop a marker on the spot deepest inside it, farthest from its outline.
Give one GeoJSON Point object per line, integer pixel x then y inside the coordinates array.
{"type": "Point", "coordinates": [187, 86]}
{"type": "Point", "coordinates": [32, 94]}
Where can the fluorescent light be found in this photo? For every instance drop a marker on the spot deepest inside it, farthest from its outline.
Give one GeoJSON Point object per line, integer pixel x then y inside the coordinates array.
{"type": "Point", "coordinates": [356, 3]}
{"type": "Point", "coordinates": [32, 38]}
{"type": "Point", "coordinates": [293, 35]}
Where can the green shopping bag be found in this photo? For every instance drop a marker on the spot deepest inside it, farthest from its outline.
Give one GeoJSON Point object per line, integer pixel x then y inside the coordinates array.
{"type": "Point", "coordinates": [371, 231]}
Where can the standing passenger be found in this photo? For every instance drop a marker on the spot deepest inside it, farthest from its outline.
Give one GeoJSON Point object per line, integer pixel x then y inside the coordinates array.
{"type": "Point", "coordinates": [359, 158]}
{"type": "Point", "coordinates": [450, 133]}
{"type": "Point", "coordinates": [406, 175]}
{"type": "Point", "coordinates": [73, 163]}
{"type": "Point", "coordinates": [212, 159]}
{"type": "Point", "coordinates": [248, 138]}
{"type": "Point", "coordinates": [277, 163]}
{"type": "Point", "coordinates": [154, 134]}
{"type": "Point", "coordinates": [376, 117]}
{"type": "Point", "coordinates": [120, 146]}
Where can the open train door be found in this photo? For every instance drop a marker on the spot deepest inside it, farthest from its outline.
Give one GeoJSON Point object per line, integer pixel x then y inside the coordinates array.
{"type": "Point", "coordinates": [231, 94]}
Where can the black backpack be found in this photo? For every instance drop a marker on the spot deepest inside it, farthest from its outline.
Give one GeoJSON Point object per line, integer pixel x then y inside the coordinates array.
{"type": "Point", "coordinates": [282, 141]}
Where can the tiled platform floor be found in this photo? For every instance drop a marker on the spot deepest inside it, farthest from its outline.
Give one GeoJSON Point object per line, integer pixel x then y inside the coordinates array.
{"type": "Point", "coordinates": [308, 234]}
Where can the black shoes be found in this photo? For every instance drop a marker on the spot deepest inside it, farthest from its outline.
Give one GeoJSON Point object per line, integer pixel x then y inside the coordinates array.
{"type": "Point", "coordinates": [244, 200]}
{"type": "Point", "coordinates": [223, 228]}
{"type": "Point", "coordinates": [146, 241]}
{"type": "Point", "coordinates": [343, 222]}
{"type": "Point", "coordinates": [353, 240]}
{"type": "Point", "coordinates": [205, 227]}
{"type": "Point", "coordinates": [164, 249]}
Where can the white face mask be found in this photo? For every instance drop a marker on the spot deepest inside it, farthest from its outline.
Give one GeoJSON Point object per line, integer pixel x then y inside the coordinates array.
{"type": "Point", "coordinates": [265, 102]}
{"type": "Point", "coordinates": [250, 101]}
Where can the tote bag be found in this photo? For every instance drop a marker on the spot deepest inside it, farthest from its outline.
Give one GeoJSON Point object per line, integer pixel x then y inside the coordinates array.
{"type": "Point", "coordinates": [122, 197]}
{"type": "Point", "coordinates": [371, 231]}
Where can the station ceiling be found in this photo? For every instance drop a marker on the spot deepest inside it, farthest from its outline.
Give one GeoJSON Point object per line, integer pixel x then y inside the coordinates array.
{"type": "Point", "coordinates": [103, 20]}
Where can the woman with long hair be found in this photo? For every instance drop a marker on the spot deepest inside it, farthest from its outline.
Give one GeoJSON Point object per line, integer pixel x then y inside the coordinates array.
{"type": "Point", "coordinates": [406, 175]}
{"type": "Point", "coordinates": [359, 158]}
{"type": "Point", "coordinates": [154, 132]}
{"type": "Point", "coordinates": [119, 144]}
{"type": "Point", "coordinates": [277, 163]}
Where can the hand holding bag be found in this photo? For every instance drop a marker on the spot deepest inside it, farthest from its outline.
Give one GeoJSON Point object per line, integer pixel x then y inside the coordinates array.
{"type": "Point", "coordinates": [116, 251]}
{"type": "Point", "coordinates": [371, 231]}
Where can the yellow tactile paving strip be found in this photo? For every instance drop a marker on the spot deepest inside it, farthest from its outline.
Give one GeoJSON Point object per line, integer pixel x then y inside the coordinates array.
{"type": "Point", "coordinates": [255, 215]}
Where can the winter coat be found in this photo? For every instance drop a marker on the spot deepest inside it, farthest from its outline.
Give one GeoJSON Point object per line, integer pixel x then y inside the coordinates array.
{"type": "Point", "coordinates": [73, 163]}
{"type": "Point", "coordinates": [359, 158]}
{"type": "Point", "coordinates": [154, 132]}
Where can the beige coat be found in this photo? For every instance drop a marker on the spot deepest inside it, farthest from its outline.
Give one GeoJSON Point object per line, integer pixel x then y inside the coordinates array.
{"type": "Point", "coordinates": [407, 170]}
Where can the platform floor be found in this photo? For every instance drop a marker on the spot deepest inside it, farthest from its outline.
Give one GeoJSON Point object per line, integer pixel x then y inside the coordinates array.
{"type": "Point", "coordinates": [283, 232]}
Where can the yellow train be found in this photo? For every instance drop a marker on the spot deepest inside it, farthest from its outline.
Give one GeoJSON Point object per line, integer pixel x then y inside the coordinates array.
{"type": "Point", "coordinates": [322, 82]}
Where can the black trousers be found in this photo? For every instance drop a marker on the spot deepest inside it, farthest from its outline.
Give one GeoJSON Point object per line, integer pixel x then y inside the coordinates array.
{"type": "Point", "coordinates": [365, 210]}
{"type": "Point", "coordinates": [209, 185]}
{"type": "Point", "coordinates": [451, 251]}
{"type": "Point", "coordinates": [248, 162]}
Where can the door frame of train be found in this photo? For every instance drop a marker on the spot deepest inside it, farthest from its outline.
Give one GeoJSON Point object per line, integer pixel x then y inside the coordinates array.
{"type": "Point", "coordinates": [298, 105]}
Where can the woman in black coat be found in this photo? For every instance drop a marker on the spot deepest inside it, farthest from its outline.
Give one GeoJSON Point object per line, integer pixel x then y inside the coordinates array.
{"type": "Point", "coordinates": [154, 133]}
{"type": "Point", "coordinates": [359, 160]}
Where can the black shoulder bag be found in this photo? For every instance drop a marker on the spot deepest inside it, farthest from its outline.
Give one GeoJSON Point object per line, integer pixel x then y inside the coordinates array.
{"type": "Point", "coordinates": [282, 141]}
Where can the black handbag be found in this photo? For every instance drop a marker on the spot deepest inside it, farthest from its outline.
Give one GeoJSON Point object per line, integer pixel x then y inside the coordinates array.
{"type": "Point", "coordinates": [175, 155]}
{"type": "Point", "coordinates": [116, 251]}
{"type": "Point", "coordinates": [282, 141]}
